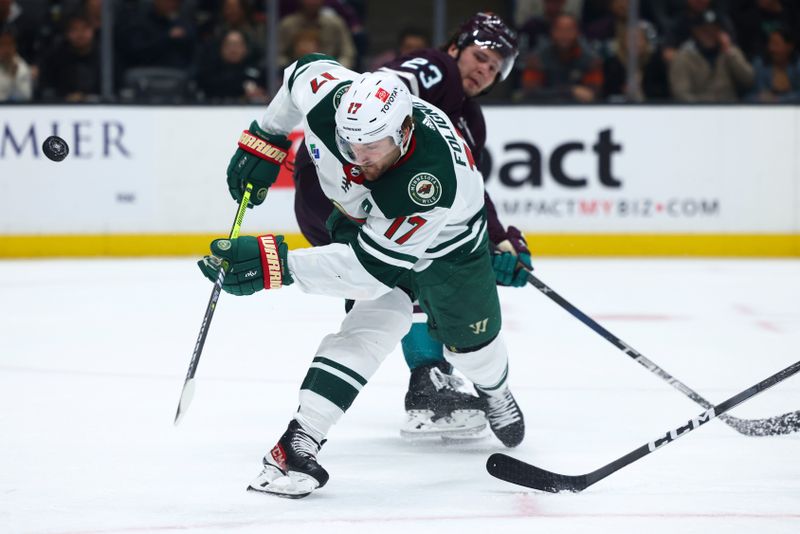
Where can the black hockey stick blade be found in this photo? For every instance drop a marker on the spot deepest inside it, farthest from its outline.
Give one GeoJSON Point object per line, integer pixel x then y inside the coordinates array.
{"type": "Point", "coordinates": [523, 474]}
{"type": "Point", "coordinates": [510, 469]}
{"type": "Point", "coordinates": [778, 425]}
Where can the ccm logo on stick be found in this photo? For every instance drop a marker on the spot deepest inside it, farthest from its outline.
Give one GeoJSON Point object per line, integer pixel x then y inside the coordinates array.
{"type": "Point", "coordinates": [676, 433]}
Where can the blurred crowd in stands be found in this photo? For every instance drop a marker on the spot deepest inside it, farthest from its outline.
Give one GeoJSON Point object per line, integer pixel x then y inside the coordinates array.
{"type": "Point", "coordinates": [215, 51]}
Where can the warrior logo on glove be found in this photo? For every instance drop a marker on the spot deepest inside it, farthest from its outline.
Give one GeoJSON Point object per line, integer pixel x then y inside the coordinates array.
{"type": "Point", "coordinates": [270, 151]}
{"type": "Point", "coordinates": [254, 263]}
{"type": "Point", "coordinates": [261, 148]}
{"type": "Point", "coordinates": [273, 277]}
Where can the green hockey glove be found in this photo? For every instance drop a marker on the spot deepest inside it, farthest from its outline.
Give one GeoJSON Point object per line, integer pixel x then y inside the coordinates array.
{"type": "Point", "coordinates": [255, 263]}
{"type": "Point", "coordinates": [257, 160]}
{"type": "Point", "coordinates": [511, 260]}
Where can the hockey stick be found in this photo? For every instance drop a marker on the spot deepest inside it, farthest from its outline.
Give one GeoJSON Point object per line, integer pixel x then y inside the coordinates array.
{"type": "Point", "coordinates": [187, 393]}
{"type": "Point", "coordinates": [771, 426]}
{"type": "Point", "coordinates": [515, 471]}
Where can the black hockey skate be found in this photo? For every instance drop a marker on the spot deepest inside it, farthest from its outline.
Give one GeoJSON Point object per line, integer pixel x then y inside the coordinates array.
{"type": "Point", "coordinates": [291, 469]}
{"type": "Point", "coordinates": [436, 408]}
{"type": "Point", "coordinates": [505, 417]}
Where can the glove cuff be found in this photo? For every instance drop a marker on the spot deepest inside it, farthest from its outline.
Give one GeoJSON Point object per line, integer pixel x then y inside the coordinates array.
{"type": "Point", "coordinates": [270, 261]}
{"type": "Point", "coordinates": [276, 139]}
{"type": "Point", "coordinates": [517, 240]}
{"type": "Point", "coordinates": [263, 145]}
{"type": "Point", "coordinates": [256, 129]}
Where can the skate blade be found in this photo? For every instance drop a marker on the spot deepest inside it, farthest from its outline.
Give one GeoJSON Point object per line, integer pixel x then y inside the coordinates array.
{"type": "Point", "coordinates": [475, 434]}
{"type": "Point", "coordinates": [292, 485]}
{"type": "Point", "coordinates": [463, 425]}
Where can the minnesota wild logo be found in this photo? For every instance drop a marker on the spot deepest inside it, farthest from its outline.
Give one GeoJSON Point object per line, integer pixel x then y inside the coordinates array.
{"type": "Point", "coordinates": [424, 189]}
{"type": "Point", "coordinates": [337, 96]}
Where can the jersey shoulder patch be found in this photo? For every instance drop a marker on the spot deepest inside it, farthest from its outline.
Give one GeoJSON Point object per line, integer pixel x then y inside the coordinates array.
{"type": "Point", "coordinates": [424, 189]}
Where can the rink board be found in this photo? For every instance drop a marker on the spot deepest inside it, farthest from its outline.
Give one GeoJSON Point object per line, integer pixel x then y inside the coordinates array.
{"type": "Point", "coordinates": [567, 245]}
{"type": "Point", "coordinates": [598, 180]}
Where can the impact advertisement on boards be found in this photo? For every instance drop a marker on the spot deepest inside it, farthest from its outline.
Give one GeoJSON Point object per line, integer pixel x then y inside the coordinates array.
{"type": "Point", "coordinates": [644, 170]}
{"type": "Point", "coordinates": [603, 169]}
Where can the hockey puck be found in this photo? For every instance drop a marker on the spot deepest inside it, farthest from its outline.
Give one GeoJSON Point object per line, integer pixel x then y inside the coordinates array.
{"type": "Point", "coordinates": [55, 148]}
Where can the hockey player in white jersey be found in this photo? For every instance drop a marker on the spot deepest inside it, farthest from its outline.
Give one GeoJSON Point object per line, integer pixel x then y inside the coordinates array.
{"type": "Point", "coordinates": [410, 224]}
{"type": "Point", "coordinates": [480, 54]}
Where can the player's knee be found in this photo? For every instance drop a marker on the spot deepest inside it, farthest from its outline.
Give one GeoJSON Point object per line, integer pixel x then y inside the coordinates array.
{"type": "Point", "coordinates": [463, 350]}
{"type": "Point", "coordinates": [374, 327]}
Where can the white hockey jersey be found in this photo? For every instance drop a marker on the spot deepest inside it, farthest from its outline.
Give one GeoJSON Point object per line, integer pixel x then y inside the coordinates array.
{"type": "Point", "coordinates": [428, 206]}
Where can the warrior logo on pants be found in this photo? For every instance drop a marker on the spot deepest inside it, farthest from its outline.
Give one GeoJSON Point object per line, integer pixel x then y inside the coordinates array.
{"type": "Point", "coordinates": [479, 327]}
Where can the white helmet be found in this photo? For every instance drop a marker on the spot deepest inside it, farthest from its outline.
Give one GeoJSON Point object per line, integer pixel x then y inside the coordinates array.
{"type": "Point", "coordinates": [373, 108]}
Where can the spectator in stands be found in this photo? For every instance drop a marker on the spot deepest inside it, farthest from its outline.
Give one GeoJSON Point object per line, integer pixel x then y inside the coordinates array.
{"type": "Point", "coordinates": [239, 15]}
{"type": "Point", "coordinates": [604, 20]}
{"type": "Point", "coordinates": [661, 13]}
{"type": "Point", "coordinates": [709, 67]}
{"type": "Point", "coordinates": [524, 10]}
{"type": "Point", "coordinates": [71, 69]}
{"type": "Point", "coordinates": [592, 11]}
{"type": "Point", "coordinates": [679, 29]}
{"type": "Point", "coordinates": [563, 69]}
{"type": "Point", "coordinates": [652, 82]}
{"type": "Point", "coordinates": [26, 25]}
{"type": "Point", "coordinates": [93, 10]}
{"type": "Point", "coordinates": [232, 75]}
{"type": "Point", "coordinates": [158, 36]}
{"type": "Point", "coordinates": [334, 36]}
{"type": "Point", "coordinates": [408, 40]}
{"type": "Point", "coordinates": [350, 11]}
{"type": "Point", "coordinates": [412, 40]}
{"type": "Point", "coordinates": [537, 28]}
{"type": "Point", "coordinates": [756, 20]}
{"type": "Point", "coordinates": [305, 42]}
{"type": "Point", "coordinates": [778, 73]}
{"type": "Point", "coordinates": [16, 83]}
{"type": "Point", "coordinates": [609, 27]}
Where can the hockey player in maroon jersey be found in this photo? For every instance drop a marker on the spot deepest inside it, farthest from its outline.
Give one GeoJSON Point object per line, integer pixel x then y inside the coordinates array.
{"type": "Point", "coordinates": [480, 54]}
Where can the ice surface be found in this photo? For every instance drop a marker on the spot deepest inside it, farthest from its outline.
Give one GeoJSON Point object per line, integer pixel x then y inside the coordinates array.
{"type": "Point", "coordinates": [93, 356]}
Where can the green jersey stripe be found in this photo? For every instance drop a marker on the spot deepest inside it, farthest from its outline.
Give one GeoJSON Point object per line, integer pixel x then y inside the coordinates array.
{"type": "Point", "coordinates": [346, 370]}
{"type": "Point", "coordinates": [386, 251]}
{"type": "Point", "coordinates": [380, 269]}
{"type": "Point", "coordinates": [464, 236]}
{"type": "Point", "coordinates": [335, 372]}
{"type": "Point", "coordinates": [297, 72]}
{"type": "Point", "coordinates": [480, 239]}
{"type": "Point", "coordinates": [331, 387]}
